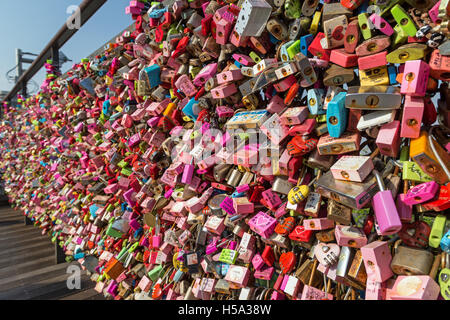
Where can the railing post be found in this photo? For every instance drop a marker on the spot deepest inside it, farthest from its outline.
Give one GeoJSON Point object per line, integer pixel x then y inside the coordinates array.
{"type": "Point", "coordinates": [60, 255]}
{"type": "Point", "coordinates": [27, 221]}
{"type": "Point", "coordinates": [24, 89]}
{"type": "Point", "coordinates": [55, 57]}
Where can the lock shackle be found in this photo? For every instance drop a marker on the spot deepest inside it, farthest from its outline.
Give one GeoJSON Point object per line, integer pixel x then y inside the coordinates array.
{"type": "Point", "coordinates": [379, 180]}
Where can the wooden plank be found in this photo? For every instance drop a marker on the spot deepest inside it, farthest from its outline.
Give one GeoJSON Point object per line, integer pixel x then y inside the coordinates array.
{"type": "Point", "coordinates": [89, 294]}
{"type": "Point", "coordinates": [33, 276]}
{"type": "Point", "coordinates": [27, 266]}
{"type": "Point", "coordinates": [19, 250]}
{"type": "Point", "coordinates": [46, 289]}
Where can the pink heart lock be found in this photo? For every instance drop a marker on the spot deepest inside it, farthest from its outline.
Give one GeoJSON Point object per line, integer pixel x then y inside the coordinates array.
{"type": "Point", "coordinates": [327, 253]}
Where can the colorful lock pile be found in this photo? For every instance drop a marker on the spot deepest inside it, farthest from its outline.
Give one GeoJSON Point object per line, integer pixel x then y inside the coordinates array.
{"type": "Point", "coordinates": [248, 150]}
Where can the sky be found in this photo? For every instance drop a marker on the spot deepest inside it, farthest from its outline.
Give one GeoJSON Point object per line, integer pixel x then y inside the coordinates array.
{"type": "Point", "coordinates": [31, 24]}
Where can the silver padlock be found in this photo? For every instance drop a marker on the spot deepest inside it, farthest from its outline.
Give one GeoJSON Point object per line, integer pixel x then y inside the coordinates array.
{"type": "Point", "coordinates": [282, 185]}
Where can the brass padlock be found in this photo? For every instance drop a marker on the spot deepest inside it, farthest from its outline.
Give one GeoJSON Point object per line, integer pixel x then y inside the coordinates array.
{"type": "Point", "coordinates": [339, 213]}
{"type": "Point", "coordinates": [411, 261]}
{"type": "Point", "coordinates": [357, 269]}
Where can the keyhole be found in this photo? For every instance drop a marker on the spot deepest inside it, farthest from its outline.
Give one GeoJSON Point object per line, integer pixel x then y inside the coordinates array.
{"type": "Point", "coordinates": [410, 76]}
{"type": "Point", "coordinates": [338, 80]}
{"type": "Point", "coordinates": [372, 101]}
{"type": "Point", "coordinates": [403, 55]}
{"type": "Point", "coordinates": [351, 38]}
{"type": "Point", "coordinates": [333, 120]}
{"type": "Point", "coordinates": [371, 47]}
{"type": "Point", "coordinates": [345, 174]}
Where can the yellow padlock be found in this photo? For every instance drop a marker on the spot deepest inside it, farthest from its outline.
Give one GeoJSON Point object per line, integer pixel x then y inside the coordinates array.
{"type": "Point", "coordinates": [298, 194]}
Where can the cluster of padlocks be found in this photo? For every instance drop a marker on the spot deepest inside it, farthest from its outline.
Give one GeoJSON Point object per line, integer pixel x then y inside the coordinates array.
{"type": "Point", "coordinates": [248, 150]}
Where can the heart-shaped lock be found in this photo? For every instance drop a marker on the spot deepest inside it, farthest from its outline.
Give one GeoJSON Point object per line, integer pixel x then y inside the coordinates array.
{"type": "Point", "coordinates": [287, 262]}
{"type": "Point", "coordinates": [415, 234]}
{"type": "Point", "coordinates": [327, 253]}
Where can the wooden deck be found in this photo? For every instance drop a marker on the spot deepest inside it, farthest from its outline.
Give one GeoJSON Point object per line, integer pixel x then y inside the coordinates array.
{"type": "Point", "coordinates": [28, 269]}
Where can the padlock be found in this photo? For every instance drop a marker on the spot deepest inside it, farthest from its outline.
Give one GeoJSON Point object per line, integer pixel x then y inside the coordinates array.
{"type": "Point", "coordinates": [411, 261]}
{"type": "Point", "coordinates": [377, 261]}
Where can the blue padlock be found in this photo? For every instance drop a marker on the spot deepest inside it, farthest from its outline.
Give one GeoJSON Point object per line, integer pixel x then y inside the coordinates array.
{"type": "Point", "coordinates": [392, 71]}
{"type": "Point", "coordinates": [157, 13]}
{"type": "Point", "coordinates": [315, 101]}
{"type": "Point", "coordinates": [283, 51]}
{"type": "Point", "coordinates": [305, 41]}
{"type": "Point", "coordinates": [153, 72]}
{"type": "Point", "coordinates": [337, 115]}
{"type": "Point", "coordinates": [191, 109]}
{"type": "Point", "coordinates": [106, 107]}
{"type": "Point", "coordinates": [445, 242]}
{"type": "Point", "coordinates": [93, 209]}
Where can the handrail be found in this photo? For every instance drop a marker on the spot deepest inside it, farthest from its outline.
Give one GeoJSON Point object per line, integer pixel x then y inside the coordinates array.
{"type": "Point", "coordinates": [87, 10]}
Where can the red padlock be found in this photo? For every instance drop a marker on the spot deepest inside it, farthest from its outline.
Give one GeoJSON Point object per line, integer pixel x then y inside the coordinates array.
{"type": "Point", "coordinates": [419, 237]}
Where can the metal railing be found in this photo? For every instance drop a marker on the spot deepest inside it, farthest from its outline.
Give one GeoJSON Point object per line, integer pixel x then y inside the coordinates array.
{"type": "Point", "coordinates": [51, 50]}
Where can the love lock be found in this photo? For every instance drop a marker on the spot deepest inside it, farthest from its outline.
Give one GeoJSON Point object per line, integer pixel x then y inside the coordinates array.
{"type": "Point", "coordinates": [327, 253]}
{"type": "Point", "coordinates": [415, 234]}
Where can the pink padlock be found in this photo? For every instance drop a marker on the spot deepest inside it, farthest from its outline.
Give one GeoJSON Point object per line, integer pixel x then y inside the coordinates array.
{"type": "Point", "coordinates": [388, 139]}
{"type": "Point", "coordinates": [265, 273]}
{"type": "Point", "coordinates": [257, 262]}
{"type": "Point", "coordinates": [381, 24]}
{"type": "Point", "coordinates": [372, 61]}
{"type": "Point", "coordinates": [242, 205]}
{"type": "Point", "coordinates": [271, 198]}
{"type": "Point", "coordinates": [412, 117]}
{"type": "Point", "coordinates": [327, 253]}
{"type": "Point", "coordinates": [228, 76]}
{"type": "Point", "coordinates": [263, 224]}
{"type": "Point", "coordinates": [421, 193]}
{"type": "Point", "coordinates": [223, 91]}
{"type": "Point", "coordinates": [415, 288]}
{"type": "Point", "coordinates": [285, 84]}
{"type": "Point", "coordinates": [293, 116]}
{"type": "Point", "coordinates": [404, 210]}
{"type": "Point", "coordinates": [377, 260]}
{"type": "Point", "coordinates": [374, 290]}
{"type": "Point", "coordinates": [415, 78]}
{"type": "Point", "coordinates": [349, 236]}
{"type": "Point", "coordinates": [311, 293]}
{"type": "Point", "coordinates": [290, 285]}
{"type": "Point", "coordinates": [238, 275]}
{"type": "Point", "coordinates": [433, 13]}
{"type": "Point", "coordinates": [223, 29]}
{"type": "Point", "coordinates": [276, 104]}
{"type": "Point", "coordinates": [207, 72]}
{"type": "Point", "coordinates": [343, 58]}
{"type": "Point", "coordinates": [318, 224]}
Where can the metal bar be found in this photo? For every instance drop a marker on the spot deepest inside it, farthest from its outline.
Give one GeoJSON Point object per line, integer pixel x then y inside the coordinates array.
{"type": "Point", "coordinates": [87, 10]}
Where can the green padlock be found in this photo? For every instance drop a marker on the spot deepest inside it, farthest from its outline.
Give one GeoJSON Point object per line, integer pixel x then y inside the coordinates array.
{"type": "Point", "coordinates": [404, 20]}
{"type": "Point", "coordinates": [364, 25]}
{"type": "Point", "coordinates": [437, 231]}
{"type": "Point", "coordinates": [155, 273]}
{"type": "Point", "coordinates": [228, 256]}
{"type": "Point", "coordinates": [292, 9]}
{"type": "Point", "coordinates": [444, 283]}
{"type": "Point", "coordinates": [413, 172]}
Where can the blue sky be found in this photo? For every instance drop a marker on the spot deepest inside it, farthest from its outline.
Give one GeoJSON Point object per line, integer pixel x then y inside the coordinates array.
{"type": "Point", "coordinates": [30, 24]}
